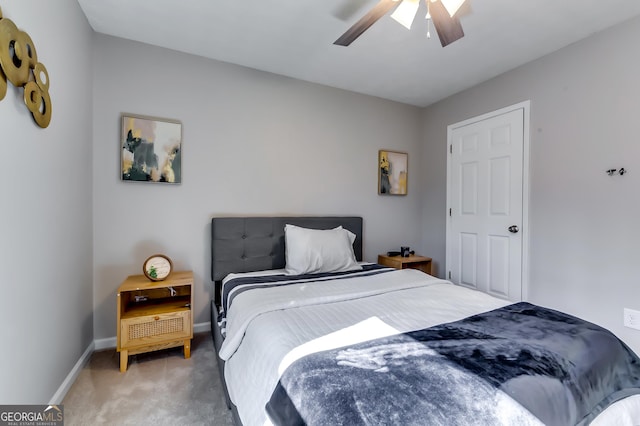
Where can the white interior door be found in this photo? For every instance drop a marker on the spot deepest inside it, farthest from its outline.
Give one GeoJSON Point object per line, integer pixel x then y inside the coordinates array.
{"type": "Point", "coordinates": [486, 202]}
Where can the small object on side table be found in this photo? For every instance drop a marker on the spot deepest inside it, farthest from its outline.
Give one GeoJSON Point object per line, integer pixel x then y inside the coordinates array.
{"type": "Point", "coordinates": [157, 267]}
{"type": "Point", "coordinates": [414, 262]}
{"type": "Point", "coordinates": [154, 315]}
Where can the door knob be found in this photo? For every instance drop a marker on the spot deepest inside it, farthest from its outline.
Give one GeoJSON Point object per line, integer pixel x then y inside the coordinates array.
{"type": "Point", "coordinates": [514, 229]}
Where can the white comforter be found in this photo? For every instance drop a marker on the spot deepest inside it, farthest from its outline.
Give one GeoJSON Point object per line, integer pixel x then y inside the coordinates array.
{"type": "Point", "coordinates": [268, 329]}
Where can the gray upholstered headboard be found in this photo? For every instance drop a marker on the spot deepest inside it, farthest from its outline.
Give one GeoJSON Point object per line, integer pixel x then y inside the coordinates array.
{"type": "Point", "coordinates": [244, 244]}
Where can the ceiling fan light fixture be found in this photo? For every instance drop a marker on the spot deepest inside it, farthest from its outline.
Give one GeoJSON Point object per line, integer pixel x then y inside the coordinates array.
{"type": "Point", "coordinates": [447, 27]}
{"type": "Point", "coordinates": [452, 6]}
{"type": "Point", "coordinates": [406, 12]}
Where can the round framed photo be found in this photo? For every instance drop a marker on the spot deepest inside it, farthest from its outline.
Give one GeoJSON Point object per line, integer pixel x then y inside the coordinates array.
{"type": "Point", "coordinates": [157, 267]}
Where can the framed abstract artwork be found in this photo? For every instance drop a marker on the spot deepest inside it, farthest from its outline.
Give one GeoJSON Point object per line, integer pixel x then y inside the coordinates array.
{"type": "Point", "coordinates": [151, 149]}
{"type": "Point", "coordinates": [392, 172]}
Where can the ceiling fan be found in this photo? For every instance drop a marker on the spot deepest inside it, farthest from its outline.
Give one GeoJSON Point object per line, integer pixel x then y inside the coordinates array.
{"type": "Point", "coordinates": [441, 12]}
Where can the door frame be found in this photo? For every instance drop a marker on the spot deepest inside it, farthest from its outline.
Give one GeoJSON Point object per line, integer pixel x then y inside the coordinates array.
{"type": "Point", "coordinates": [526, 107]}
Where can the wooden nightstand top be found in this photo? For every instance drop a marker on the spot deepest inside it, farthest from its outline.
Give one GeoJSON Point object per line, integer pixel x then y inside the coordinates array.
{"type": "Point", "coordinates": [140, 282]}
{"type": "Point", "coordinates": [411, 259]}
{"type": "Point", "coordinates": [414, 262]}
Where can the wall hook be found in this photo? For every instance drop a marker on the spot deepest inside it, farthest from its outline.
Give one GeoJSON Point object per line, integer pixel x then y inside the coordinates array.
{"type": "Point", "coordinates": [612, 172]}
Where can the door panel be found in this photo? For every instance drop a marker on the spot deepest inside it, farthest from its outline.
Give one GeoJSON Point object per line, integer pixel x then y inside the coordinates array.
{"type": "Point", "coordinates": [486, 198]}
{"type": "Point", "coordinates": [469, 188]}
{"type": "Point", "coordinates": [468, 257]}
{"type": "Point", "coordinates": [499, 183]}
{"type": "Point", "coordinates": [499, 270]}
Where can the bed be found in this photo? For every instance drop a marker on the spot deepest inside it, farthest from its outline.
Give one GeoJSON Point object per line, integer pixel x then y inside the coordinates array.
{"type": "Point", "coordinates": [367, 344]}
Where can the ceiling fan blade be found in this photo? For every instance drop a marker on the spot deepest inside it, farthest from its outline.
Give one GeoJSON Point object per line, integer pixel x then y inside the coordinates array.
{"type": "Point", "coordinates": [378, 11]}
{"type": "Point", "coordinates": [453, 6]}
{"type": "Point", "coordinates": [448, 27]}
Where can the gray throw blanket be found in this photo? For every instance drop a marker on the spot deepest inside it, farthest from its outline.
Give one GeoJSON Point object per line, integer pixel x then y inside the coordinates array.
{"type": "Point", "coordinates": [521, 364]}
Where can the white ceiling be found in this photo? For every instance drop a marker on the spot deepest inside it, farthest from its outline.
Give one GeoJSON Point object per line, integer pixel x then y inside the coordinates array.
{"type": "Point", "coordinates": [295, 38]}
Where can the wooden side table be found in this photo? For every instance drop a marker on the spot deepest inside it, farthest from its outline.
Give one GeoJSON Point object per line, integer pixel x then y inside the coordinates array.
{"type": "Point", "coordinates": [414, 262]}
{"type": "Point", "coordinates": [154, 315]}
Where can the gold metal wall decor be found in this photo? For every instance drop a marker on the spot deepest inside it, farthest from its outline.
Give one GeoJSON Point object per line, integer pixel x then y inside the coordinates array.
{"type": "Point", "coordinates": [19, 65]}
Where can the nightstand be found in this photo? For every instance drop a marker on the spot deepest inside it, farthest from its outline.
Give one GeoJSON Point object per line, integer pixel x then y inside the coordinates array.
{"type": "Point", "coordinates": [414, 262]}
{"type": "Point", "coordinates": [154, 315]}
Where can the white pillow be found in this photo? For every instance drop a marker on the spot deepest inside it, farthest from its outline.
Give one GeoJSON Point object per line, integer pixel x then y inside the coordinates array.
{"type": "Point", "coordinates": [312, 251]}
{"type": "Point", "coordinates": [352, 236]}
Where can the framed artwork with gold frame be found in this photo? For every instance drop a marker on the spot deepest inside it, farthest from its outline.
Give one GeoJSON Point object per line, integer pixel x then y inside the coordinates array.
{"type": "Point", "coordinates": [393, 172]}
{"type": "Point", "coordinates": [151, 149]}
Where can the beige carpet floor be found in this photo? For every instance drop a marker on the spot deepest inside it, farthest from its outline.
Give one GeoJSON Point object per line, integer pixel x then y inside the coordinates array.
{"type": "Point", "coordinates": [158, 388]}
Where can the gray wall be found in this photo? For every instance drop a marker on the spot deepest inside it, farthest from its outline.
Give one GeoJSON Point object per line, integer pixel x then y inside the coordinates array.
{"type": "Point", "coordinates": [253, 143]}
{"type": "Point", "coordinates": [46, 319]}
{"type": "Point", "coordinates": [257, 143]}
{"type": "Point", "coordinates": [584, 224]}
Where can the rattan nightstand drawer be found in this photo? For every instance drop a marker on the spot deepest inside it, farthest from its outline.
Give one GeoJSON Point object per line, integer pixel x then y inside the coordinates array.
{"type": "Point", "coordinates": [152, 329]}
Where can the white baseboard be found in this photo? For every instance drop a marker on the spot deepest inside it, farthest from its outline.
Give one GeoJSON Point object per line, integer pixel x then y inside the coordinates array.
{"type": "Point", "coordinates": [202, 327]}
{"type": "Point", "coordinates": [108, 343]}
{"type": "Point", "coordinates": [98, 345]}
{"type": "Point", "coordinates": [57, 398]}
